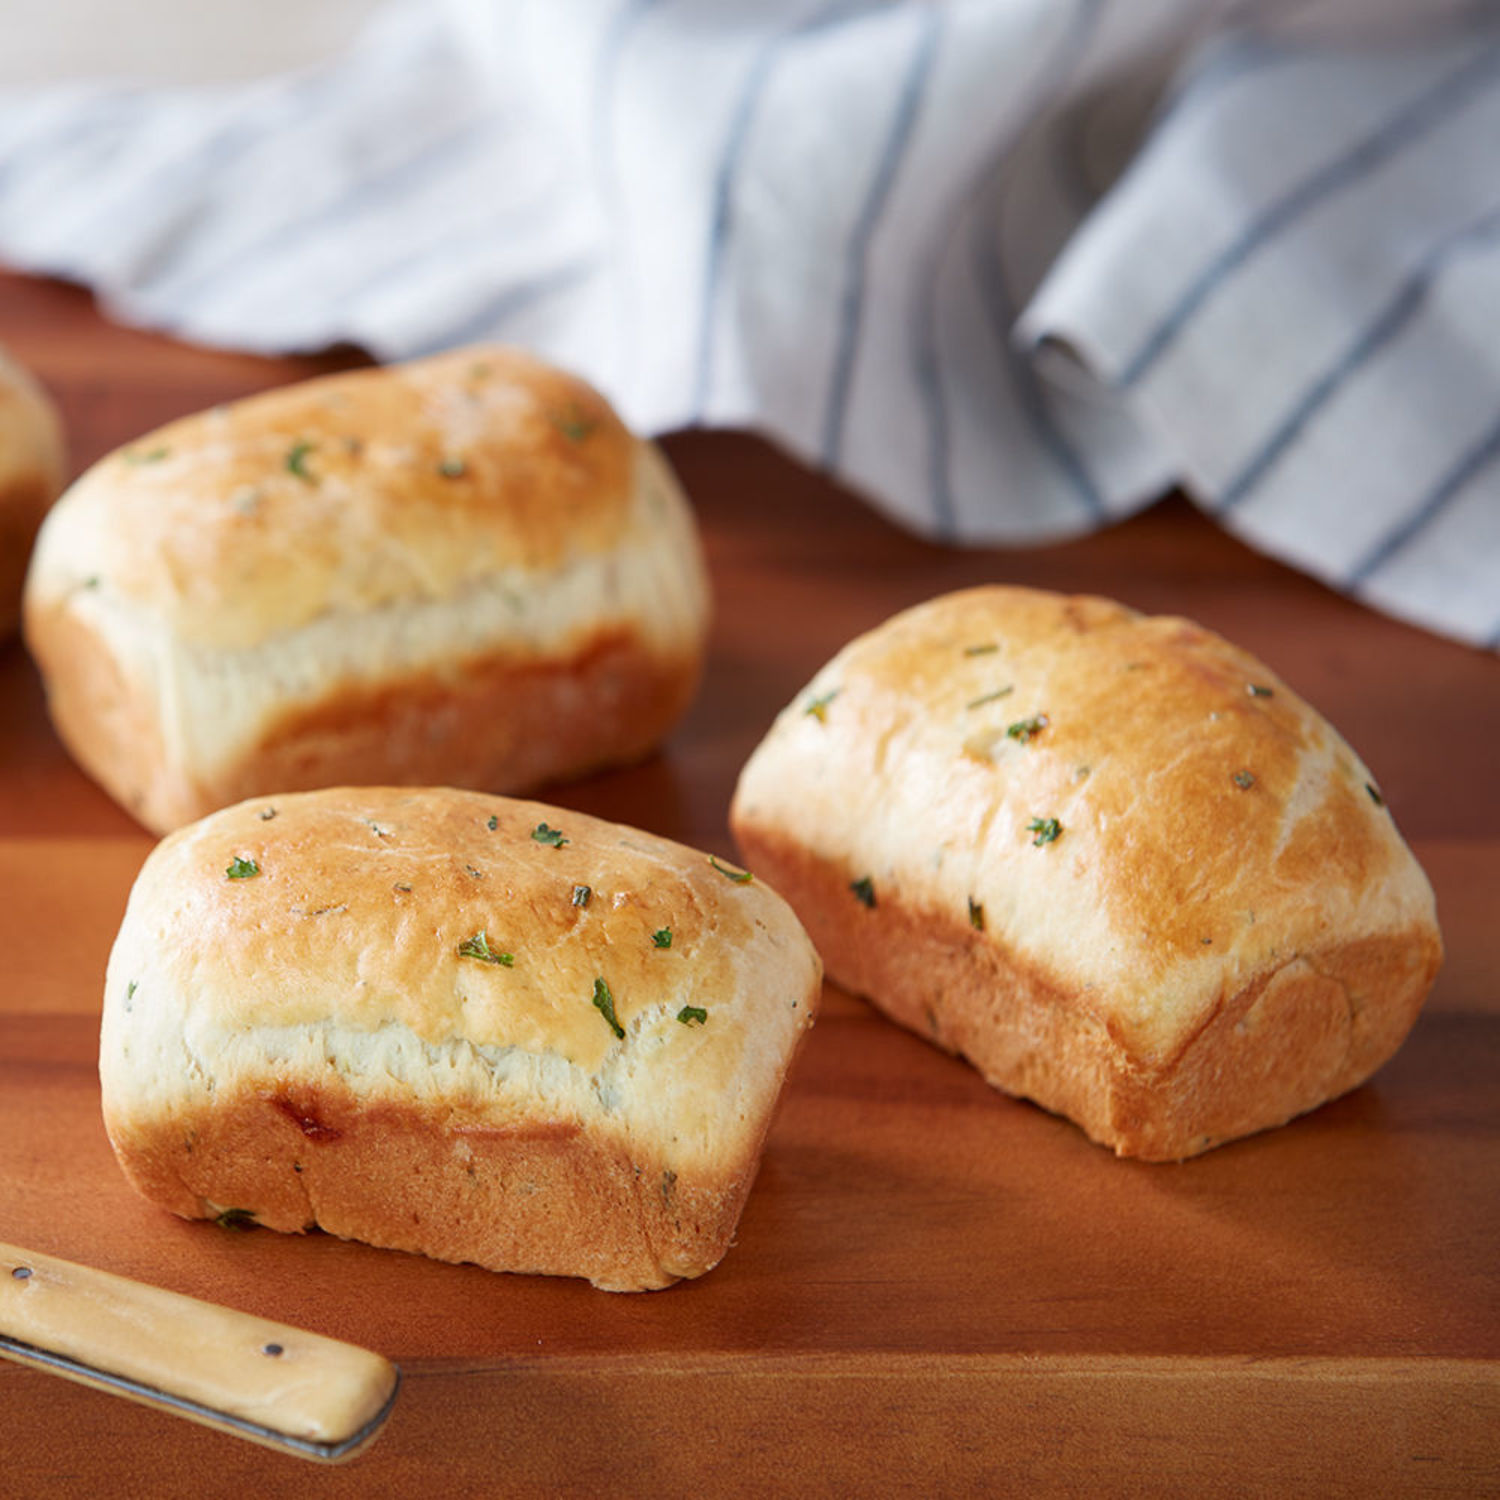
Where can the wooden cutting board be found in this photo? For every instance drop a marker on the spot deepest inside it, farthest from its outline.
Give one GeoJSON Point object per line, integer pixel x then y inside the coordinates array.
{"type": "Point", "coordinates": [936, 1290]}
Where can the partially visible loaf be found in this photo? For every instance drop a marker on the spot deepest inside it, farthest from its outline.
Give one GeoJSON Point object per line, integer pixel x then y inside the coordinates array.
{"type": "Point", "coordinates": [460, 571]}
{"type": "Point", "coordinates": [1112, 860]}
{"type": "Point", "coordinates": [477, 1028]}
{"type": "Point", "coordinates": [31, 474]}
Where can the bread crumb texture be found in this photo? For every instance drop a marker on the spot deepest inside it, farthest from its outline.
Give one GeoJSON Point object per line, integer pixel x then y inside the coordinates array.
{"type": "Point", "coordinates": [1111, 859]}
{"type": "Point", "coordinates": [447, 1022]}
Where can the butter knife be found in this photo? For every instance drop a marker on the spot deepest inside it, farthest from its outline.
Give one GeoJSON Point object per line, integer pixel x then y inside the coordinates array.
{"type": "Point", "coordinates": [273, 1384]}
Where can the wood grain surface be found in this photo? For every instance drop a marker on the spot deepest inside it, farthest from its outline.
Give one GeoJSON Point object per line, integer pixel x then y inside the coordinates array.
{"type": "Point", "coordinates": [936, 1290]}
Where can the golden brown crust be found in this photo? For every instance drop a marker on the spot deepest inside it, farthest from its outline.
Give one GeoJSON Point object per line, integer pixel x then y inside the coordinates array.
{"type": "Point", "coordinates": [31, 474]}
{"type": "Point", "coordinates": [543, 1198]}
{"type": "Point", "coordinates": [1223, 927]}
{"type": "Point", "coordinates": [528, 608]}
{"type": "Point", "coordinates": [506, 723]}
{"type": "Point", "coordinates": [360, 490]}
{"type": "Point", "coordinates": [379, 1010]}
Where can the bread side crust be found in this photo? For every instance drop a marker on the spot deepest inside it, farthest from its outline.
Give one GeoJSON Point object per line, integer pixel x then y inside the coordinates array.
{"type": "Point", "coordinates": [1302, 1032]}
{"type": "Point", "coordinates": [547, 1197]}
{"type": "Point", "coordinates": [103, 703]}
{"type": "Point", "coordinates": [501, 723]}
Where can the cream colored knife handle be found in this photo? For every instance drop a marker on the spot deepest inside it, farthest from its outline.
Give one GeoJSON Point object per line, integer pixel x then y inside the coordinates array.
{"type": "Point", "coordinates": [262, 1380]}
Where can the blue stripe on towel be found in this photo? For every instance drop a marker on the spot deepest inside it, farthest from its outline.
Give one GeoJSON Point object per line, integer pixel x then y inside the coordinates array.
{"type": "Point", "coordinates": [1468, 468]}
{"type": "Point", "coordinates": [1410, 298]}
{"type": "Point", "coordinates": [1075, 43]}
{"type": "Point", "coordinates": [872, 210]}
{"type": "Point", "coordinates": [607, 67]}
{"type": "Point", "coordinates": [721, 221]}
{"type": "Point", "coordinates": [994, 286]}
{"type": "Point", "coordinates": [1452, 93]}
{"type": "Point", "coordinates": [722, 202]}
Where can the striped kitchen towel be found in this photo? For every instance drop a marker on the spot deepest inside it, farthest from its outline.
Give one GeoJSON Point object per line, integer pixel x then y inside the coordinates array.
{"type": "Point", "coordinates": [1010, 268]}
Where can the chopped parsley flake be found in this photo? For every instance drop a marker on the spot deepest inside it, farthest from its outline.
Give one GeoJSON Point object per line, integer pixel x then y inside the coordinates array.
{"type": "Point", "coordinates": [452, 468]}
{"type": "Point", "coordinates": [864, 890]}
{"type": "Point", "coordinates": [1003, 692]}
{"type": "Point", "coordinates": [478, 947]}
{"type": "Point", "coordinates": [130, 990]}
{"type": "Point", "coordinates": [544, 835]}
{"type": "Point", "coordinates": [267, 813]}
{"type": "Point", "coordinates": [1257, 691]}
{"type": "Point", "coordinates": [604, 1003]}
{"type": "Point", "coordinates": [582, 895]}
{"type": "Point", "coordinates": [575, 424]}
{"type": "Point", "coordinates": [1244, 780]}
{"type": "Point", "coordinates": [242, 869]}
{"type": "Point", "coordinates": [739, 877]}
{"type": "Point", "coordinates": [296, 461]}
{"type": "Point", "coordinates": [818, 707]}
{"type": "Point", "coordinates": [988, 649]}
{"type": "Point", "coordinates": [1045, 829]}
{"type": "Point", "coordinates": [493, 823]}
{"type": "Point", "coordinates": [150, 456]}
{"type": "Point", "coordinates": [976, 915]}
{"type": "Point", "coordinates": [236, 1218]}
{"type": "Point", "coordinates": [690, 1013]}
{"type": "Point", "coordinates": [662, 937]}
{"type": "Point", "coordinates": [1374, 792]}
{"type": "Point", "coordinates": [1026, 730]}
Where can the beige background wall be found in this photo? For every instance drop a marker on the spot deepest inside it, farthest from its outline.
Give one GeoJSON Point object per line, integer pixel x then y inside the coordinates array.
{"type": "Point", "coordinates": [169, 40]}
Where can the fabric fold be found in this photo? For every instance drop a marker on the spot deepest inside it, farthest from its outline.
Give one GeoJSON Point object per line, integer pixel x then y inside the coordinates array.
{"type": "Point", "coordinates": [1009, 268]}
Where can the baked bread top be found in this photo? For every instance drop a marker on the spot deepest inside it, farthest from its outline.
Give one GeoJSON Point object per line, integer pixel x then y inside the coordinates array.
{"type": "Point", "coordinates": [350, 492]}
{"type": "Point", "coordinates": [1132, 807]}
{"type": "Point", "coordinates": [481, 960]}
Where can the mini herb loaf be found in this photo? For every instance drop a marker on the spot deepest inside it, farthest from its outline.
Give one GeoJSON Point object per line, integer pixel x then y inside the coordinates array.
{"type": "Point", "coordinates": [1112, 860]}
{"type": "Point", "coordinates": [481, 1029]}
{"type": "Point", "coordinates": [460, 571]}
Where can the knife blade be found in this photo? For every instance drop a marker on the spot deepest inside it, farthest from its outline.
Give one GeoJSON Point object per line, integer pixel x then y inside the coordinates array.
{"type": "Point", "coordinates": [273, 1384]}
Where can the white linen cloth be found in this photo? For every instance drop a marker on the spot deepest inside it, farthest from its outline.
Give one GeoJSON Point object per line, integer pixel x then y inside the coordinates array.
{"type": "Point", "coordinates": [1010, 268]}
